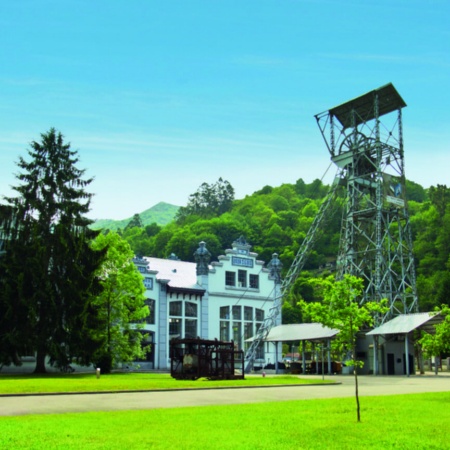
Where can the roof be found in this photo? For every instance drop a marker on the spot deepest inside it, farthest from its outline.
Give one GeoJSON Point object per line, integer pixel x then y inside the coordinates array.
{"type": "Point", "coordinates": [405, 323]}
{"type": "Point", "coordinates": [388, 100]}
{"type": "Point", "coordinates": [300, 332]}
{"type": "Point", "coordinates": [179, 274]}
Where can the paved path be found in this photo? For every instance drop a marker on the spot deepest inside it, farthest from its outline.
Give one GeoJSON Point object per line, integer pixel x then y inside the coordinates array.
{"type": "Point", "coordinates": [368, 386]}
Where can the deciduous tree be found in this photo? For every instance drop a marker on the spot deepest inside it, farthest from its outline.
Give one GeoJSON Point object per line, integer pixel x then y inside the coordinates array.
{"type": "Point", "coordinates": [121, 303]}
{"type": "Point", "coordinates": [341, 309]}
{"type": "Point", "coordinates": [439, 342]}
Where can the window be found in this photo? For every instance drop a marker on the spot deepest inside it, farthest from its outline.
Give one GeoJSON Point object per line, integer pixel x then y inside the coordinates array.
{"type": "Point", "coordinates": [248, 330]}
{"type": "Point", "coordinates": [237, 312]}
{"type": "Point", "coordinates": [244, 323]}
{"type": "Point", "coordinates": [142, 269]}
{"type": "Point", "coordinates": [183, 321]}
{"type": "Point", "coordinates": [237, 334]}
{"type": "Point", "coordinates": [174, 328]}
{"type": "Point", "coordinates": [148, 283]}
{"type": "Point", "coordinates": [254, 281]}
{"type": "Point", "coordinates": [224, 330]}
{"type": "Point", "coordinates": [242, 278]}
{"type": "Point", "coordinates": [225, 312]}
{"type": "Point", "coordinates": [230, 278]}
{"type": "Point", "coordinates": [190, 309]}
{"type": "Point", "coordinates": [190, 328]}
{"type": "Point", "coordinates": [150, 319]}
{"type": "Point", "coordinates": [259, 315]}
{"type": "Point", "coordinates": [175, 308]}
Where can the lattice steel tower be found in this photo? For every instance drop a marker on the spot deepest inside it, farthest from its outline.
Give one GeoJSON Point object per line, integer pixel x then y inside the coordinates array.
{"type": "Point", "coordinates": [365, 139]}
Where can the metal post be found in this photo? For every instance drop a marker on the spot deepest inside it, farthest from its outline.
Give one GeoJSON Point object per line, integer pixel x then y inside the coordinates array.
{"type": "Point", "coordinates": [407, 355]}
{"type": "Point", "coordinates": [329, 356]}
{"type": "Point", "coordinates": [276, 357]}
{"type": "Point", "coordinates": [303, 357]}
{"type": "Point", "coordinates": [375, 355]}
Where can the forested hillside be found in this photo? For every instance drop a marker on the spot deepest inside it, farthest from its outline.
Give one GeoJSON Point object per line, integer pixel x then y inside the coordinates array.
{"type": "Point", "coordinates": [276, 219]}
{"type": "Point", "coordinates": [161, 214]}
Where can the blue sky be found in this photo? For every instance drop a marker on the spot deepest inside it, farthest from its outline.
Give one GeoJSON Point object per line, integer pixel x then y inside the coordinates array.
{"type": "Point", "coordinates": [159, 96]}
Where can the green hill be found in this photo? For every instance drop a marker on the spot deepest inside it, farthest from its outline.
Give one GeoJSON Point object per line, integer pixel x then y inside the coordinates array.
{"type": "Point", "coordinates": [161, 214]}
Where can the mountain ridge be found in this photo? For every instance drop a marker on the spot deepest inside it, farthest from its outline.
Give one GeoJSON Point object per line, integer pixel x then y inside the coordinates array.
{"type": "Point", "coordinates": [162, 213]}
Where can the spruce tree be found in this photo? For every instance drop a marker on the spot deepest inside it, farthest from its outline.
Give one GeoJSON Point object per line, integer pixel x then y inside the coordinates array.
{"type": "Point", "coordinates": [48, 266]}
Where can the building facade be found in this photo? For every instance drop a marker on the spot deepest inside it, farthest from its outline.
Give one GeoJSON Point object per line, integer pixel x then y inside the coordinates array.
{"type": "Point", "coordinates": [225, 300]}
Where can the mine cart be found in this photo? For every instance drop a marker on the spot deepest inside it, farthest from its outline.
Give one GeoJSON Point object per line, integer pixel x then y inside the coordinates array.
{"type": "Point", "coordinates": [201, 358]}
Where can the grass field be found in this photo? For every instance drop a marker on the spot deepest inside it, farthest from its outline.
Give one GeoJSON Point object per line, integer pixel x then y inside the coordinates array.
{"type": "Point", "coordinates": [417, 421]}
{"type": "Point", "coordinates": [132, 381]}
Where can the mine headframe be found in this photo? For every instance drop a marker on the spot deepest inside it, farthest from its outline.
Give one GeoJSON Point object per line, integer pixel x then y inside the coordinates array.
{"type": "Point", "coordinates": [365, 139]}
{"type": "Point", "coordinates": [194, 358]}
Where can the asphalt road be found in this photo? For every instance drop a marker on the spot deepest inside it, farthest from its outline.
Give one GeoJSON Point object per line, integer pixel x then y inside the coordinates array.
{"type": "Point", "coordinates": [345, 387]}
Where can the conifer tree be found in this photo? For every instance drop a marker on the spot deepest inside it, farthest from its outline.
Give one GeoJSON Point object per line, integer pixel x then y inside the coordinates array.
{"type": "Point", "coordinates": [48, 268]}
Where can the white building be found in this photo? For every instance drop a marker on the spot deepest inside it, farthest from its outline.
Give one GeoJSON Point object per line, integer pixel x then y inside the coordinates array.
{"type": "Point", "coordinates": [225, 300]}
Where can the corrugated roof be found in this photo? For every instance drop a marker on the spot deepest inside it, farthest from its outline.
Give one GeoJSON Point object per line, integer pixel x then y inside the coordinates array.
{"type": "Point", "coordinates": [388, 100]}
{"type": "Point", "coordinates": [405, 323]}
{"type": "Point", "coordinates": [181, 274]}
{"type": "Point", "coordinates": [300, 332]}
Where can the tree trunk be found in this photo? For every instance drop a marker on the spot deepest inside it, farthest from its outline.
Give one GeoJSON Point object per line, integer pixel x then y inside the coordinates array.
{"type": "Point", "coordinates": [358, 413]}
{"type": "Point", "coordinates": [40, 362]}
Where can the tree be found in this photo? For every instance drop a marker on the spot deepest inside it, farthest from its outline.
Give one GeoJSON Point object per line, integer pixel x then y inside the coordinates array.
{"type": "Point", "coordinates": [134, 222]}
{"type": "Point", "coordinates": [121, 303]}
{"type": "Point", "coordinates": [439, 342]}
{"type": "Point", "coordinates": [341, 309]}
{"type": "Point", "coordinates": [210, 200]}
{"type": "Point", "coordinates": [48, 268]}
{"type": "Point", "coordinates": [440, 197]}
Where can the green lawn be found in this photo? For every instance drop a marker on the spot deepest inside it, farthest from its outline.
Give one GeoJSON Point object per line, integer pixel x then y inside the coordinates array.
{"type": "Point", "coordinates": [392, 422]}
{"type": "Point", "coordinates": [132, 381]}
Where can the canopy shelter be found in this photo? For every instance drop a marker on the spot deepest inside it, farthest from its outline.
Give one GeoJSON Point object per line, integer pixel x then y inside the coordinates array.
{"type": "Point", "coordinates": [404, 324]}
{"type": "Point", "coordinates": [313, 332]}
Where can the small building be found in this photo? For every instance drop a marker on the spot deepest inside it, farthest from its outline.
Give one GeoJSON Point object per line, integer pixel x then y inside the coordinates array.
{"type": "Point", "coordinates": [394, 341]}
{"type": "Point", "coordinates": [225, 300]}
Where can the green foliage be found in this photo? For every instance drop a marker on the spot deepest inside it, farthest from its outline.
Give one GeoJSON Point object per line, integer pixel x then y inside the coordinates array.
{"type": "Point", "coordinates": [161, 214]}
{"type": "Point", "coordinates": [439, 342]}
{"type": "Point", "coordinates": [121, 304]}
{"type": "Point", "coordinates": [48, 270]}
{"type": "Point", "coordinates": [340, 309]}
{"type": "Point", "coordinates": [134, 222]}
{"type": "Point", "coordinates": [277, 219]}
{"type": "Point", "coordinates": [210, 200]}
{"type": "Point", "coordinates": [415, 192]}
{"type": "Point", "coordinates": [431, 233]}
{"type": "Point", "coordinates": [291, 313]}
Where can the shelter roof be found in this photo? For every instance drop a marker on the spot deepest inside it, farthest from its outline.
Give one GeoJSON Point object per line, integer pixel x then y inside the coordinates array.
{"type": "Point", "coordinates": [405, 323]}
{"type": "Point", "coordinates": [178, 274]}
{"type": "Point", "coordinates": [300, 332]}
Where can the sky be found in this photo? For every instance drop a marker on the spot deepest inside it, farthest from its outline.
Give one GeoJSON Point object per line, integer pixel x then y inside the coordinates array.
{"type": "Point", "coordinates": [160, 96]}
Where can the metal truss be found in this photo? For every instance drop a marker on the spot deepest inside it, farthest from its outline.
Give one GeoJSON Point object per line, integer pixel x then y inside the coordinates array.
{"type": "Point", "coordinates": [376, 241]}
{"type": "Point", "coordinates": [304, 251]}
{"type": "Point", "coordinates": [364, 138]}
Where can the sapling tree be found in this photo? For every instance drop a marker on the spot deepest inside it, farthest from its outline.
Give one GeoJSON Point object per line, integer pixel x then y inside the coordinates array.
{"type": "Point", "coordinates": [341, 309]}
